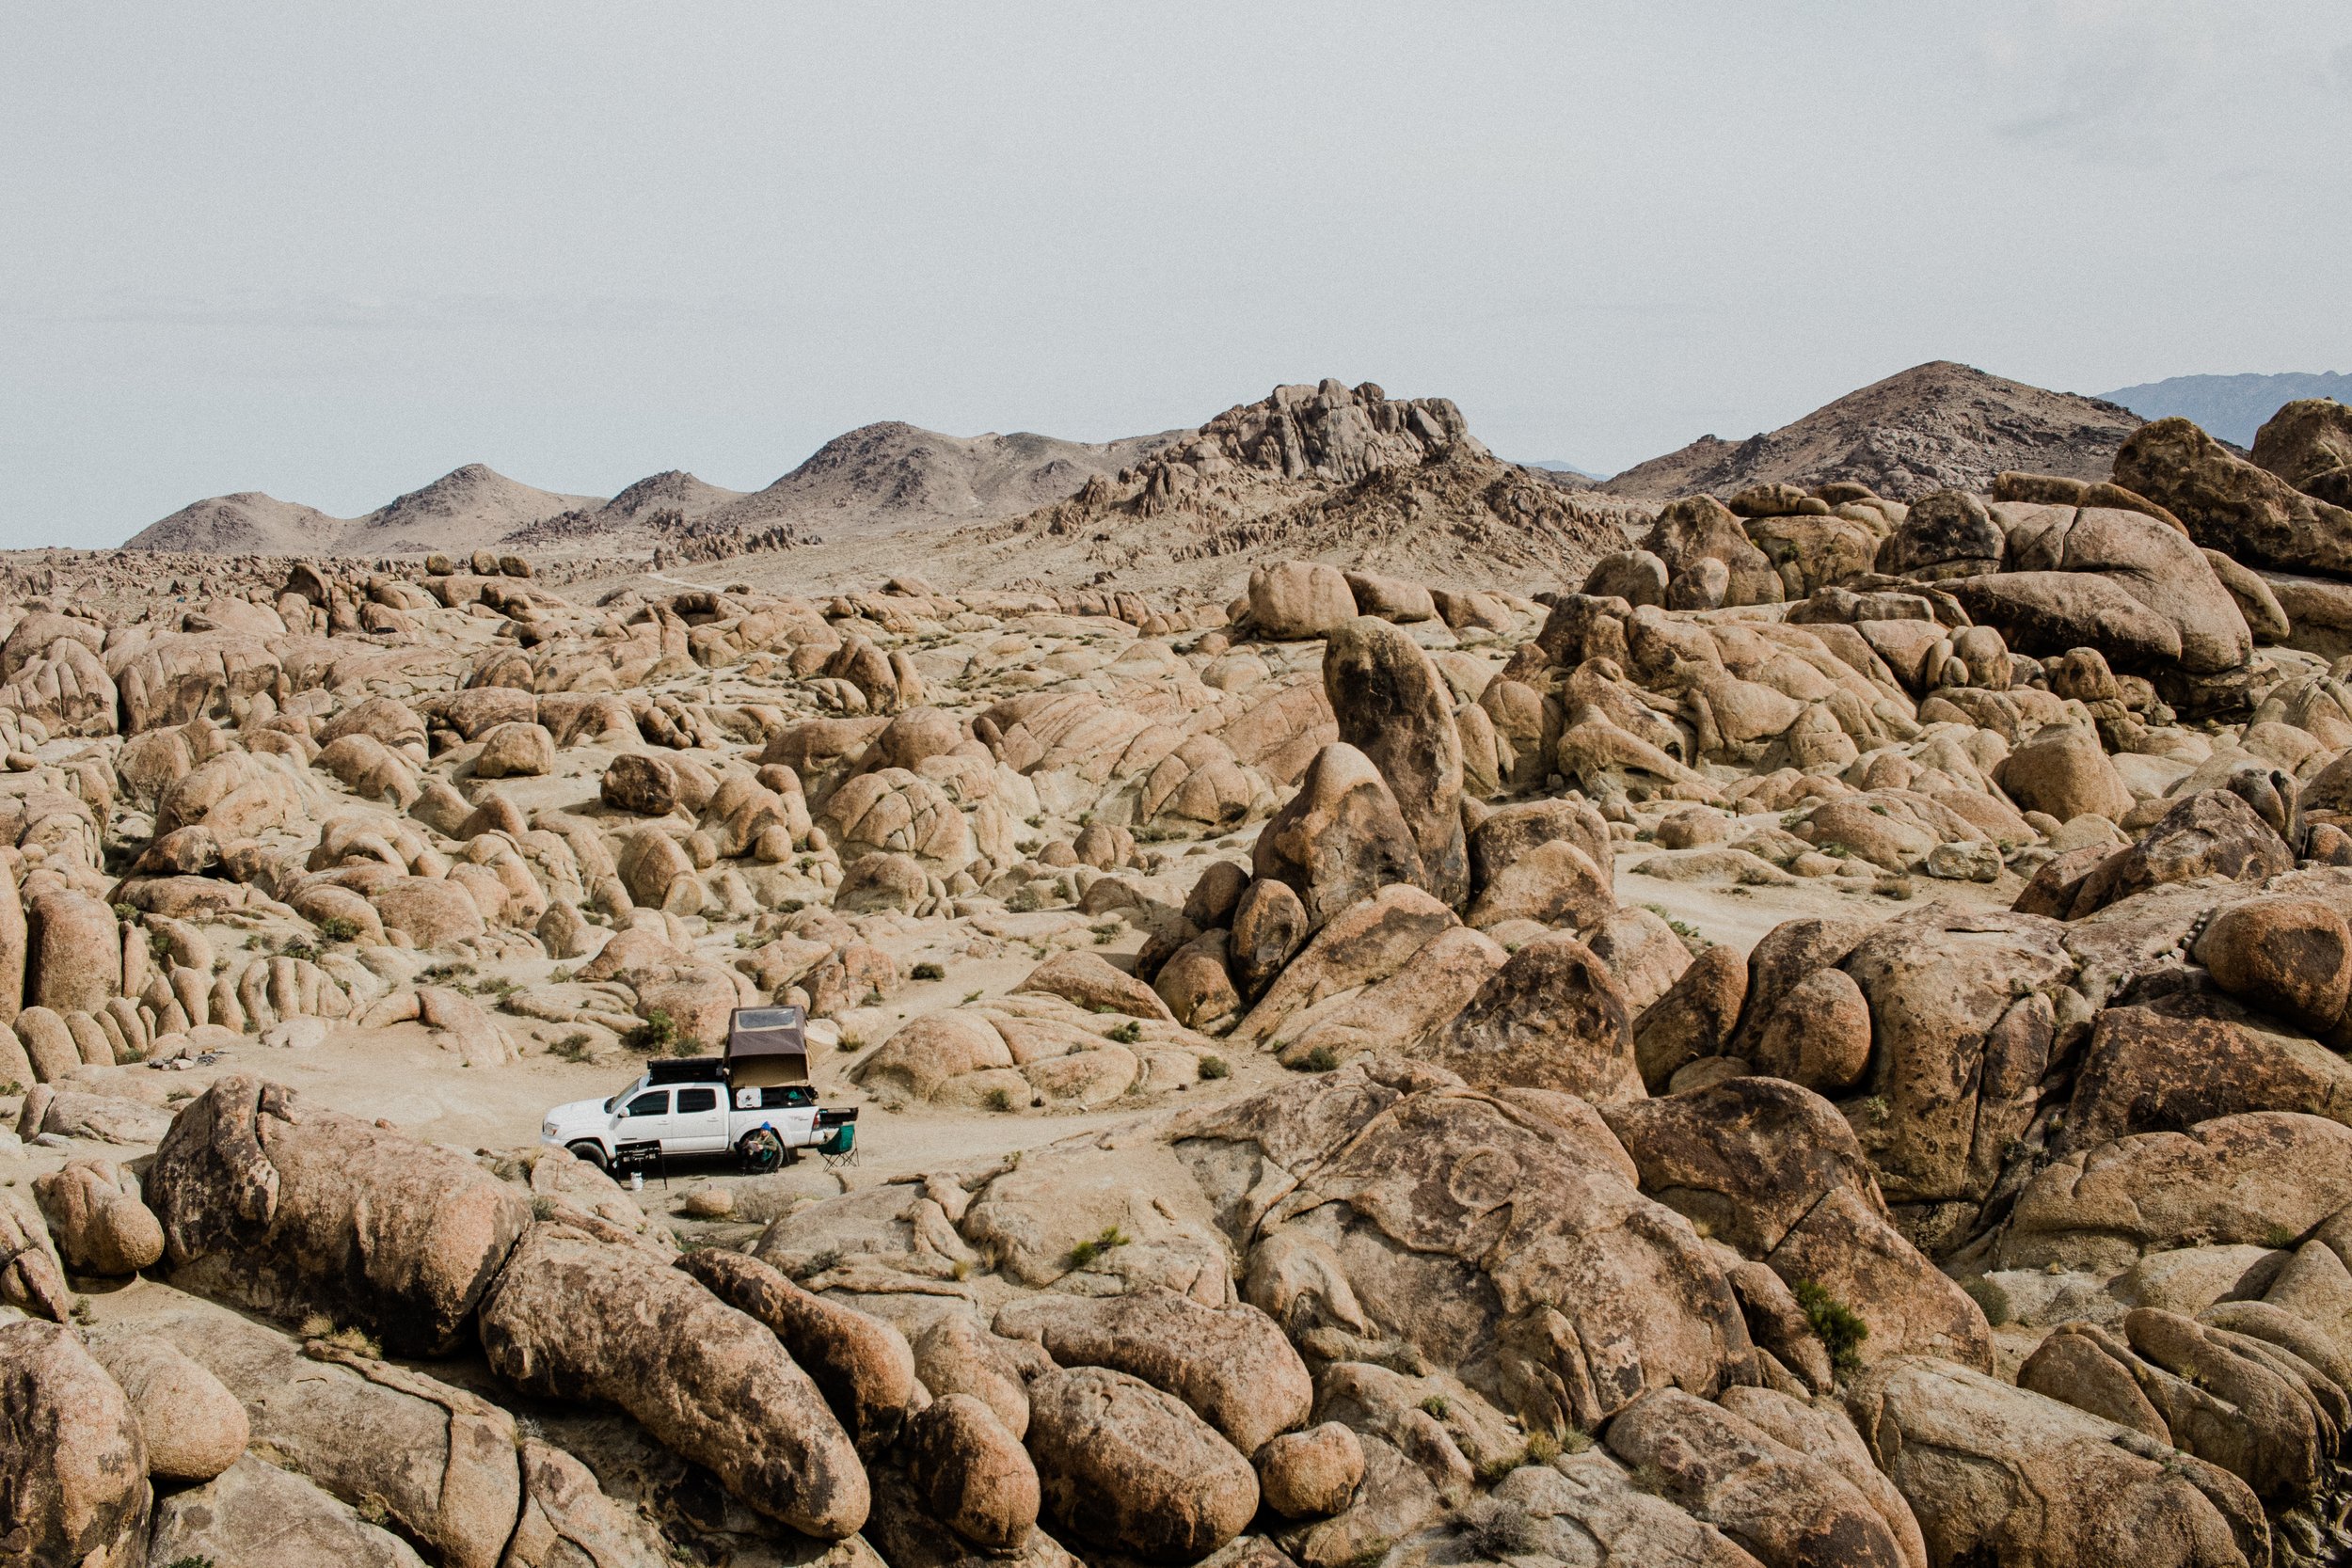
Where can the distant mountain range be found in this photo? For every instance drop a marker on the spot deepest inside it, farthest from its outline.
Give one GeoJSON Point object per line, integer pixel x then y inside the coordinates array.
{"type": "Point", "coordinates": [2231, 407]}
{"type": "Point", "coordinates": [879, 478]}
{"type": "Point", "coordinates": [1935, 426]}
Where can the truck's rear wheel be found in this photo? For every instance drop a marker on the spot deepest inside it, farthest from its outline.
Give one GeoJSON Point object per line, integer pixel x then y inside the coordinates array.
{"type": "Point", "coordinates": [760, 1150]}
{"type": "Point", "coordinates": [591, 1152]}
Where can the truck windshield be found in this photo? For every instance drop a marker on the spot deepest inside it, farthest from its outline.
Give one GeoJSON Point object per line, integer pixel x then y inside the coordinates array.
{"type": "Point", "coordinates": [627, 1089]}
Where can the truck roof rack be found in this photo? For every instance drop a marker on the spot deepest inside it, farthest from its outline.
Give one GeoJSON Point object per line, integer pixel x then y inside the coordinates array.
{"type": "Point", "coordinates": [686, 1070]}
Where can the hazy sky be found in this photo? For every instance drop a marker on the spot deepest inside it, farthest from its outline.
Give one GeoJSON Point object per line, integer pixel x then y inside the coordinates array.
{"type": "Point", "coordinates": [332, 251]}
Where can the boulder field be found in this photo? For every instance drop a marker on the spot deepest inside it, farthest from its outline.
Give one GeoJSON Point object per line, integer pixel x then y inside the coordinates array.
{"type": "Point", "coordinates": [1820, 1042]}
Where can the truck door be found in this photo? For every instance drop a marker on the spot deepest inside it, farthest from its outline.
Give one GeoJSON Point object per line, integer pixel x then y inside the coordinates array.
{"type": "Point", "coordinates": [700, 1121]}
{"type": "Point", "coordinates": [647, 1122]}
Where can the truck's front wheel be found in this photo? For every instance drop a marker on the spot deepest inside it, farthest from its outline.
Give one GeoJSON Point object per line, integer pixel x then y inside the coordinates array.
{"type": "Point", "coordinates": [760, 1150]}
{"type": "Point", "coordinates": [590, 1151]}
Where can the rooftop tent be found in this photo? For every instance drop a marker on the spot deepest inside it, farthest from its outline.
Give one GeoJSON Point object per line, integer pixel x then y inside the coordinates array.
{"type": "Point", "coordinates": [766, 1046]}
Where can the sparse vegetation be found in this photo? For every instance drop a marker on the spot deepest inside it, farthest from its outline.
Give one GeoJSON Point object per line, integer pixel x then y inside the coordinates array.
{"type": "Point", "coordinates": [656, 1037]}
{"type": "Point", "coordinates": [1125, 1034]}
{"type": "Point", "coordinates": [1213, 1068]}
{"type": "Point", "coordinates": [1437, 1406]}
{"type": "Point", "coordinates": [929, 970]}
{"type": "Point", "coordinates": [1088, 1251]}
{"type": "Point", "coordinates": [1838, 1328]}
{"type": "Point", "coordinates": [1495, 1528]}
{"type": "Point", "coordinates": [573, 1047]}
{"type": "Point", "coordinates": [1322, 1058]}
{"type": "Point", "coordinates": [997, 1099]}
{"type": "Point", "coordinates": [339, 928]}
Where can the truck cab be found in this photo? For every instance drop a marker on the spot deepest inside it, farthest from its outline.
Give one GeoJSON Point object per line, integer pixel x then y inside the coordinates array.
{"type": "Point", "coordinates": [756, 1100]}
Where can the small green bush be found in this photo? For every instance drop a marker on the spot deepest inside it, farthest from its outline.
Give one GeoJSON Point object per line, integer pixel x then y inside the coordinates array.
{"type": "Point", "coordinates": [997, 1099]}
{"type": "Point", "coordinates": [1086, 1252]}
{"type": "Point", "coordinates": [1321, 1059]}
{"type": "Point", "coordinates": [656, 1037]}
{"type": "Point", "coordinates": [1838, 1328]}
{"type": "Point", "coordinates": [339, 928]}
{"type": "Point", "coordinates": [1213, 1068]}
{"type": "Point", "coordinates": [572, 1046]}
{"type": "Point", "coordinates": [928, 972]}
{"type": "Point", "coordinates": [1126, 1034]}
{"type": "Point", "coordinates": [1438, 1406]}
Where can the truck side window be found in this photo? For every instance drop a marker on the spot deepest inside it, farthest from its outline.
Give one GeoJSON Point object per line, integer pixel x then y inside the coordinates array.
{"type": "Point", "coordinates": [777, 1099]}
{"type": "Point", "coordinates": [690, 1100]}
{"type": "Point", "coordinates": [654, 1104]}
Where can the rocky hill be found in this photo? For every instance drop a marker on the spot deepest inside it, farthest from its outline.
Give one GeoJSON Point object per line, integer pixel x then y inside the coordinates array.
{"type": "Point", "coordinates": [1322, 471]}
{"type": "Point", "coordinates": [884, 478]}
{"type": "Point", "coordinates": [1936, 426]}
{"type": "Point", "coordinates": [466, 509]}
{"type": "Point", "coordinates": [245, 523]}
{"type": "Point", "coordinates": [2230, 408]}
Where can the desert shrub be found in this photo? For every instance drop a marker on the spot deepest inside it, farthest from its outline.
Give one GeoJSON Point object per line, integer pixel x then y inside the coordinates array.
{"type": "Point", "coordinates": [1838, 1328]}
{"type": "Point", "coordinates": [928, 972]}
{"type": "Point", "coordinates": [1086, 1252]}
{"type": "Point", "coordinates": [1213, 1068]}
{"type": "Point", "coordinates": [656, 1037]}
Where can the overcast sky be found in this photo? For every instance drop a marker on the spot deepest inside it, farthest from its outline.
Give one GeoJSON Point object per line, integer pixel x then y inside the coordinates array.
{"type": "Point", "coordinates": [333, 251]}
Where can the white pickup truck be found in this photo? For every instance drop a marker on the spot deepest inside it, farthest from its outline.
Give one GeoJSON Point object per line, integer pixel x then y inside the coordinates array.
{"type": "Point", "coordinates": [756, 1101]}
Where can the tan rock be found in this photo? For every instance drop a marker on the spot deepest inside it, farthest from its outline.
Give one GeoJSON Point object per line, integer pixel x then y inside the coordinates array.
{"type": "Point", "coordinates": [1095, 984]}
{"type": "Point", "coordinates": [862, 1364]}
{"type": "Point", "coordinates": [2288, 955]}
{"type": "Point", "coordinates": [2101, 1493]}
{"type": "Point", "coordinates": [195, 1428]}
{"type": "Point", "coordinates": [1124, 1466]}
{"type": "Point", "coordinates": [1341, 838]}
{"type": "Point", "coordinates": [1392, 706]}
{"type": "Point", "coordinates": [70, 1445]}
{"type": "Point", "coordinates": [575, 1318]}
{"type": "Point", "coordinates": [1551, 1018]}
{"type": "Point", "coordinates": [2066, 773]}
{"type": "Point", "coordinates": [1293, 599]}
{"type": "Point", "coordinates": [972, 1473]}
{"type": "Point", "coordinates": [1230, 1364]}
{"type": "Point", "coordinates": [515, 750]}
{"type": "Point", "coordinates": [1819, 1032]}
{"type": "Point", "coordinates": [99, 1225]}
{"type": "Point", "coordinates": [289, 1209]}
{"type": "Point", "coordinates": [1306, 1475]}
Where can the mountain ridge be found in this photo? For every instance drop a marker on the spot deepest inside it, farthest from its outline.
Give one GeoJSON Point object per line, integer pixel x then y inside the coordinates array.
{"type": "Point", "coordinates": [2230, 408]}
{"type": "Point", "coordinates": [1936, 426]}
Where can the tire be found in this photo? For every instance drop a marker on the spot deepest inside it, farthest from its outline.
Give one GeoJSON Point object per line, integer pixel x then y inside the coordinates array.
{"type": "Point", "coordinates": [592, 1152]}
{"type": "Point", "coordinates": [760, 1150]}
